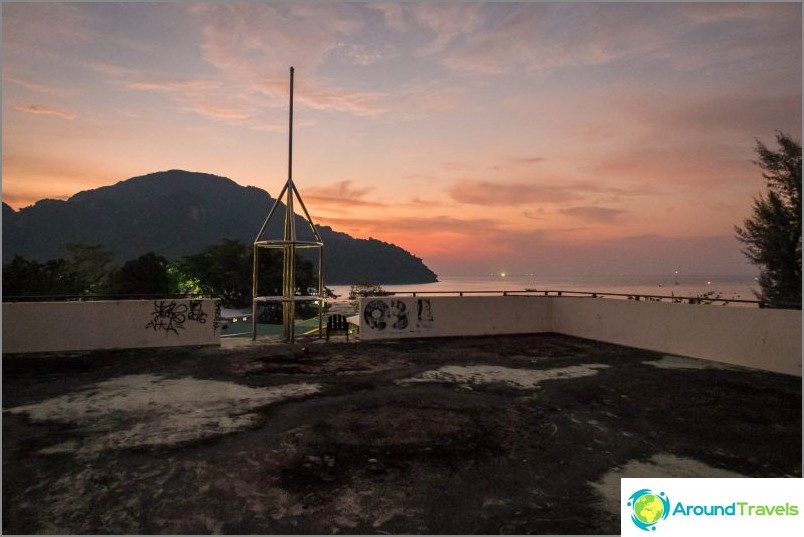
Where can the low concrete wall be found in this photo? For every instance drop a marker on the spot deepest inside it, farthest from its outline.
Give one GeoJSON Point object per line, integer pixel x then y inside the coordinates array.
{"type": "Point", "coordinates": [73, 326]}
{"type": "Point", "coordinates": [391, 317]}
{"type": "Point", "coordinates": [759, 338]}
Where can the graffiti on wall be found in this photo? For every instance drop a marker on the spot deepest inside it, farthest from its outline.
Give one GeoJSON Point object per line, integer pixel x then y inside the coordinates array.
{"type": "Point", "coordinates": [398, 315]}
{"type": "Point", "coordinates": [424, 313]}
{"type": "Point", "coordinates": [170, 316]}
{"type": "Point", "coordinates": [216, 322]}
{"type": "Point", "coordinates": [197, 312]}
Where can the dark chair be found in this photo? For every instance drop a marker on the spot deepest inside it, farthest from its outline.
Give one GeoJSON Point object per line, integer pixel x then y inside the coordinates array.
{"type": "Point", "coordinates": [337, 323]}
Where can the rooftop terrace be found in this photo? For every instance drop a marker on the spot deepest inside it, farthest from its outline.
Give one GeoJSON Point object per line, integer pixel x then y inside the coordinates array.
{"type": "Point", "coordinates": [503, 434]}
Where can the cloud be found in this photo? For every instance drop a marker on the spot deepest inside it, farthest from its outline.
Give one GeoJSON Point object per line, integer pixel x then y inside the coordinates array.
{"type": "Point", "coordinates": [359, 103]}
{"type": "Point", "coordinates": [447, 22]}
{"type": "Point", "coordinates": [522, 192]}
{"type": "Point", "coordinates": [393, 15]}
{"type": "Point", "coordinates": [213, 98]}
{"type": "Point", "coordinates": [593, 214]}
{"type": "Point", "coordinates": [526, 160]}
{"type": "Point", "coordinates": [431, 224]}
{"type": "Point", "coordinates": [340, 193]}
{"type": "Point", "coordinates": [253, 44]}
{"type": "Point", "coordinates": [43, 29]}
{"type": "Point", "coordinates": [706, 13]}
{"type": "Point", "coordinates": [428, 236]}
{"type": "Point", "coordinates": [676, 167]}
{"type": "Point", "coordinates": [175, 86]}
{"type": "Point", "coordinates": [261, 38]}
{"type": "Point", "coordinates": [45, 110]}
{"type": "Point", "coordinates": [509, 163]}
{"type": "Point", "coordinates": [736, 113]}
{"type": "Point", "coordinates": [365, 55]}
{"type": "Point", "coordinates": [38, 87]}
{"type": "Point", "coordinates": [542, 37]}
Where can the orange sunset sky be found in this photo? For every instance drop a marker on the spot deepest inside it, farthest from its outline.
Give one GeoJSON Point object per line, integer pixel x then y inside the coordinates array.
{"type": "Point", "coordinates": [528, 138]}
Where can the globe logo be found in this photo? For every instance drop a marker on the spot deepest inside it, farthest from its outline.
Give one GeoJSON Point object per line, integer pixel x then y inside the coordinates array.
{"type": "Point", "coordinates": [648, 508]}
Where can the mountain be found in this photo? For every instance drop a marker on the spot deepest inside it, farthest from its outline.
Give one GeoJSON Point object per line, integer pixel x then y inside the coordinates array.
{"type": "Point", "coordinates": [177, 213]}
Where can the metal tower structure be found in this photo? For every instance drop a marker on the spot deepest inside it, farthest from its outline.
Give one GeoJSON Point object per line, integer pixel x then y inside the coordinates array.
{"type": "Point", "coordinates": [289, 243]}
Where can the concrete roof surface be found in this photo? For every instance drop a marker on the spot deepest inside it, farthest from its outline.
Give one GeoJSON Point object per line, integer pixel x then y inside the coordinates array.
{"type": "Point", "coordinates": [489, 435]}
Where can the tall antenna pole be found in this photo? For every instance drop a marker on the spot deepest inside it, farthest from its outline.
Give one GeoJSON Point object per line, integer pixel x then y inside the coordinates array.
{"type": "Point", "coordinates": [288, 244]}
{"type": "Point", "coordinates": [289, 259]}
{"type": "Point", "coordinates": [290, 131]}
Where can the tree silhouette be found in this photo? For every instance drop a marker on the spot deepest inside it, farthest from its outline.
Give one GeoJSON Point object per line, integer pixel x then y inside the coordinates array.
{"type": "Point", "coordinates": [225, 270]}
{"type": "Point", "coordinates": [147, 274]}
{"type": "Point", "coordinates": [772, 236]}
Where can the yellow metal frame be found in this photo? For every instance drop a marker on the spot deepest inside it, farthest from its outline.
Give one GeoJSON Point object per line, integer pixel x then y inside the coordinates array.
{"type": "Point", "coordinates": [289, 244]}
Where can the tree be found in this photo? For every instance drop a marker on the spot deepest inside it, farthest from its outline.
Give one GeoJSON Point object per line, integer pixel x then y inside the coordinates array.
{"type": "Point", "coordinates": [147, 274]}
{"type": "Point", "coordinates": [367, 289]}
{"type": "Point", "coordinates": [22, 277]}
{"type": "Point", "coordinates": [93, 265]}
{"type": "Point", "coordinates": [772, 236]}
{"type": "Point", "coordinates": [224, 270]}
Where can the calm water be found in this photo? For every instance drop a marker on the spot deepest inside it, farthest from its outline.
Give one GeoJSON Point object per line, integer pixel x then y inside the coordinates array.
{"type": "Point", "coordinates": [729, 287]}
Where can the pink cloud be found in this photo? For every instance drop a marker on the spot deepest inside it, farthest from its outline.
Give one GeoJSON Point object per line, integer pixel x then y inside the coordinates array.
{"type": "Point", "coordinates": [394, 16]}
{"type": "Point", "coordinates": [38, 87]}
{"type": "Point", "coordinates": [524, 192]}
{"type": "Point", "coordinates": [427, 236]}
{"type": "Point", "coordinates": [447, 22]}
{"type": "Point", "coordinates": [593, 214]}
{"type": "Point", "coordinates": [213, 98]}
{"type": "Point", "coordinates": [528, 37]}
{"type": "Point", "coordinates": [672, 167]}
{"type": "Point", "coordinates": [341, 193]}
{"type": "Point", "coordinates": [254, 44]}
{"type": "Point", "coordinates": [46, 110]}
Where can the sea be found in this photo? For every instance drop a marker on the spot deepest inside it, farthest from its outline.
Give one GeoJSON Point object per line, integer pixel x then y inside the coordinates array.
{"type": "Point", "coordinates": [741, 287]}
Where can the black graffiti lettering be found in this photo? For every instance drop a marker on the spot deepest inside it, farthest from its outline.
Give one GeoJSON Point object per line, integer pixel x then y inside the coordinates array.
{"type": "Point", "coordinates": [425, 312]}
{"type": "Point", "coordinates": [398, 310]}
{"type": "Point", "coordinates": [168, 316]}
{"type": "Point", "coordinates": [375, 314]}
{"type": "Point", "coordinates": [216, 322]}
{"type": "Point", "coordinates": [196, 312]}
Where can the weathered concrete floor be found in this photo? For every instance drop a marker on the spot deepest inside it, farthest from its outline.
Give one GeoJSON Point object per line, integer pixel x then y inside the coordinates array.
{"type": "Point", "coordinates": [375, 437]}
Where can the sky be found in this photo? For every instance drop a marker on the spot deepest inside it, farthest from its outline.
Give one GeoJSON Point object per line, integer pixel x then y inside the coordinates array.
{"type": "Point", "coordinates": [546, 138]}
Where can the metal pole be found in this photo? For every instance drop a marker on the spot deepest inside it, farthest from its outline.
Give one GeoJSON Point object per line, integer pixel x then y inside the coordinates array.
{"type": "Point", "coordinates": [271, 213]}
{"type": "Point", "coordinates": [289, 262]}
{"type": "Point", "coordinates": [321, 293]}
{"type": "Point", "coordinates": [254, 292]}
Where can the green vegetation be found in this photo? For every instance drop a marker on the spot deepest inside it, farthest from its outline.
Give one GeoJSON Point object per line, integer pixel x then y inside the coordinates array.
{"type": "Point", "coordinates": [772, 235]}
{"type": "Point", "coordinates": [367, 289]}
{"type": "Point", "coordinates": [222, 270]}
{"type": "Point", "coordinates": [147, 274]}
{"type": "Point", "coordinates": [31, 278]}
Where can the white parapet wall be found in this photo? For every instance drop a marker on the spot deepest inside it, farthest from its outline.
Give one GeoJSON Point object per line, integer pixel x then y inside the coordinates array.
{"type": "Point", "coordinates": [124, 324]}
{"type": "Point", "coordinates": [392, 317]}
{"type": "Point", "coordinates": [758, 338]}
{"type": "Point", "coordinates": [767, 339]}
